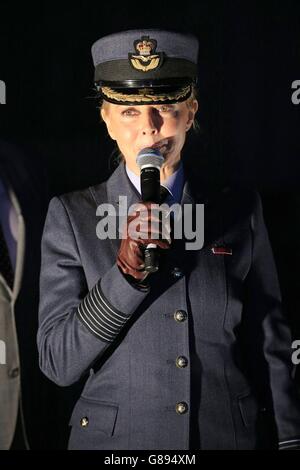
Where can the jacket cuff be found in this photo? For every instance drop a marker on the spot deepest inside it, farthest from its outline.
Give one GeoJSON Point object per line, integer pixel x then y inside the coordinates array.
{"type": "Point", "coordinates": [291, 444]}
{"type": "Point", "coordinates": [123, 295]}
{"type": "Point", "coordinates": [109, 305]}
{"type": "Point", "coordinates": [143, 286]}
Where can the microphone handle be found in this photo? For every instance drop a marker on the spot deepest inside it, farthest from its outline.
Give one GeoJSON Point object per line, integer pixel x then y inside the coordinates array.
{"type": "Point", "coordinates": [151, 258]}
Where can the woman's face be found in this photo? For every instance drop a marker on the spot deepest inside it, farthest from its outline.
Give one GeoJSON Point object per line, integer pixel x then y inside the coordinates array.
{"type": "Point", "coordinates": [162, 126]}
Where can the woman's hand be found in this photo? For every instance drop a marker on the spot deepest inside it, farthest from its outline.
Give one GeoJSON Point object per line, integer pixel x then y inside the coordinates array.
{"type": "Point", "coordinates": [148, 224]}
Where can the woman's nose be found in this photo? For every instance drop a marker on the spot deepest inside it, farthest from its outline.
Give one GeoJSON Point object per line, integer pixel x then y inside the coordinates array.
{"type": "Point", "coordinates": [149, 124]}
{"type": "Point", "coordinates": [149, 131]}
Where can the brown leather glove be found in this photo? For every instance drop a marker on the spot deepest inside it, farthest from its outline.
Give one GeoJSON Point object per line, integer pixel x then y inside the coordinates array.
{"type": "Point", "coordinates": [137, 235]}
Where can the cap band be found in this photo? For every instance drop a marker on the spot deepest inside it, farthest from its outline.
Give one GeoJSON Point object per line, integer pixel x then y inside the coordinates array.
{"type": "Point", "coordinates": [143, 97]}
{"type": "Point", "coordinates": [120, 70]}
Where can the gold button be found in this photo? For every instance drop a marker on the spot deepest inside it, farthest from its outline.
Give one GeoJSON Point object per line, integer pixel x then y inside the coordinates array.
{"type": "Point", "coordinates": [181, 361]}
{"type": "Point", "coordinates": [84, 422]}
{"type": "Point", "coordinates": [180, 315]}
{"type": "Point", "coordinates": [181, 407]}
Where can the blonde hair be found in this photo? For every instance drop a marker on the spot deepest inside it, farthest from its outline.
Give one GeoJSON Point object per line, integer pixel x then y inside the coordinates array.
{"type": "Point", "coordinates": [189, 102]}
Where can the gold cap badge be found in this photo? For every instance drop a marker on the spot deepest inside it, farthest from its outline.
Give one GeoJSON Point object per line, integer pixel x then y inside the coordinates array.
{"type": "Point", "coordinates": [145, 58]}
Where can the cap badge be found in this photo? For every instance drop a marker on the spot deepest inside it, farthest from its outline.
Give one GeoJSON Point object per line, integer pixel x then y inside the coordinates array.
{"type": "Point", "coordinates": [145, 58]}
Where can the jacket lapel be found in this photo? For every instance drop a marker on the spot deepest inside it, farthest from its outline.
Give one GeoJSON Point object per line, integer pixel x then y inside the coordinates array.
{"type": "Point", "coordinates": [119, 184]}
{"type": "Point", "coordinates": [118, 188]}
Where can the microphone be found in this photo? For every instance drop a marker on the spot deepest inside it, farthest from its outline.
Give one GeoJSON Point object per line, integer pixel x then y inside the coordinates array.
{"type": "Point", "coordinates": [150, 160]}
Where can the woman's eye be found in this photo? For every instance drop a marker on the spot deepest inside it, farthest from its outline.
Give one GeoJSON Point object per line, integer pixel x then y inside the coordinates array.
{"type": "Point", "coordinates": [134, 112]}
{"type": "Point", "coordinates": [165, 109]}
{"type": "Point", "coordinates": [129, 112]}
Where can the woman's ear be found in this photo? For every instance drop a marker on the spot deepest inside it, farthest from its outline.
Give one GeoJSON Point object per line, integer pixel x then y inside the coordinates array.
{"type": "Point", "coordinates": [193, 108]}
{"type": "Point", "coordinates": [103, 114]}
{"type": "Point", "coordinates": [106, 119]}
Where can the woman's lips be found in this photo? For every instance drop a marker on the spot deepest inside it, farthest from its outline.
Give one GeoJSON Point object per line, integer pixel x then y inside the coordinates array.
{"type": "Point", "coordinates": [162, 145]}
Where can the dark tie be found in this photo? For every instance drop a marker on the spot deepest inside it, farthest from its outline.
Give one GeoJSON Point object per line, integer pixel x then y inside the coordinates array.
{"type": "Point", "coordinates": [5, 263]}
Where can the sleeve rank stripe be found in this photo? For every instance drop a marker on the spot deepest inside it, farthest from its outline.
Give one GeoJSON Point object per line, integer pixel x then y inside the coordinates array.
{"type": "Point", "coordinates": [108, 305]}
{"type": "Point", "coordinates": [95, 333]}
{"type": "Point", "coordinates": [97, 318]}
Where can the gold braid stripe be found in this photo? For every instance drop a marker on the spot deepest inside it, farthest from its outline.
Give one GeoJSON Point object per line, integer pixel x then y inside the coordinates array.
{"type": "Point", "coordinates": [144, 98]}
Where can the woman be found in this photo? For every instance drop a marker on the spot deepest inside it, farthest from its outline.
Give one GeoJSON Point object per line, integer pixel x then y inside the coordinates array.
{"type": "Point", "coordinates": [196, 355]}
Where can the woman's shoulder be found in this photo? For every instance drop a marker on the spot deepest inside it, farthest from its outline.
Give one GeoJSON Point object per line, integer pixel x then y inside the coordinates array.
{"type": "Point", "coordinates": [228, 194]}
{"type": "Point", "coordinates": [242, 193]}
{"type": "Point", "coordinates": [220, 191]}
{"type": "Point", "coordinates": [82, 200]}
{"type": "Point", "coordinates": [241, 198]}
{"type": "Point", "coordinates": [91, 195]}
{"type": "Point", "coordinates": [234, 203]}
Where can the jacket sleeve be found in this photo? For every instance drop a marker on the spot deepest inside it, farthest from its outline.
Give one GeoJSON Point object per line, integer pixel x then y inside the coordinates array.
{"type": "Point", "coordinates": [268, 336]}
{"type": "Point", "coordinates": [76, 325]}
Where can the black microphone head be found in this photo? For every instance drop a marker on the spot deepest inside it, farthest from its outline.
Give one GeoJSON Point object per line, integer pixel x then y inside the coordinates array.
{"type": "Point", "coordinates": [149, 157]}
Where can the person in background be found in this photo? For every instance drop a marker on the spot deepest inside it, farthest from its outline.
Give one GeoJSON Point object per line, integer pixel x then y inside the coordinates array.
{"type": "Point", "coordinates": [26, 415]}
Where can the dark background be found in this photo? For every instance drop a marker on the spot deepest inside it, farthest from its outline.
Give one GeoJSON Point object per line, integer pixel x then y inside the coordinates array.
{"type": "Point", "coordinates": [249, 56]}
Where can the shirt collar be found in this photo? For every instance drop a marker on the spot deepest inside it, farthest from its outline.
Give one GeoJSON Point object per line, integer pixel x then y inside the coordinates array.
{"type": "Point", "coordinates": [174, 183]}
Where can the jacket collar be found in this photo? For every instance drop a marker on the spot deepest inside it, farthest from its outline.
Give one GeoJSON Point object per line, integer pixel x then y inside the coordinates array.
{"type": "Point", "coordinates": [119, 184]}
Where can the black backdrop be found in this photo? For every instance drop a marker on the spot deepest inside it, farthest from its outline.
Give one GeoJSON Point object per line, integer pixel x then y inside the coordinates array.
{"type": "Point", "coordinates": [249, 57]}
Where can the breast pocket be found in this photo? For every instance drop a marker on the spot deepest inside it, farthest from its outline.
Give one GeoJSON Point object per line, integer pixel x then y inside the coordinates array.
{"type": "Point", "coordinates": [92, 423]}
